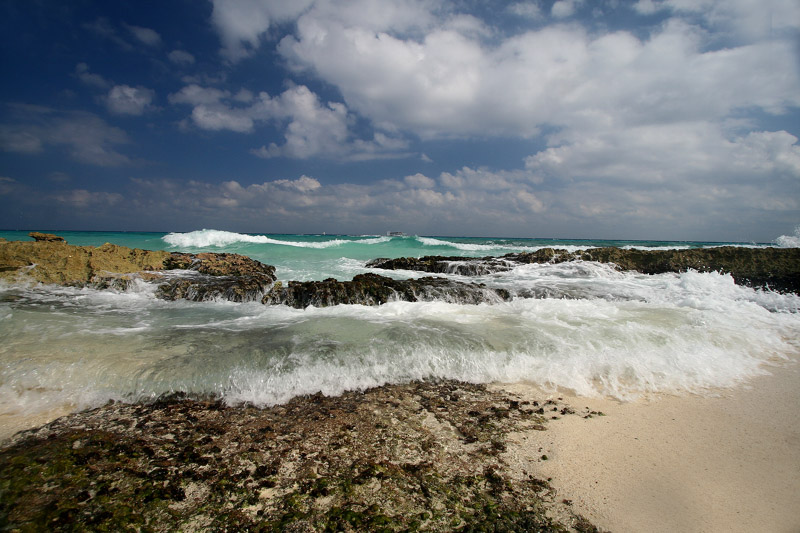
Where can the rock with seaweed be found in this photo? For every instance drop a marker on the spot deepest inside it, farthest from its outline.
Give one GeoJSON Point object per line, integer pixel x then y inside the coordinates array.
{"type": "Point", "coordinates": [418, 457]}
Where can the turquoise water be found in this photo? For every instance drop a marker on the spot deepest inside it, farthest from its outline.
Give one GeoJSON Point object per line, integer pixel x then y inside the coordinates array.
{"type": "Point", "coordinates": [589, 329]}
{"type": "Point", "coordinates": [316, 257]}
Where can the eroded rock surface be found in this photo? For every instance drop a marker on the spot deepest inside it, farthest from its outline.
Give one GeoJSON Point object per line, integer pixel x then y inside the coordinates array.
{"type": "Point", "coordinates": [373, 289]}
{"type": "Point", "coordinates": [210, 276]}
{"type": "Point", "coordinates": [416, 457]}
{"type": "Point", "coordinates": [203, 276]}
{"type": "Point", "coordinates": [776, 268]}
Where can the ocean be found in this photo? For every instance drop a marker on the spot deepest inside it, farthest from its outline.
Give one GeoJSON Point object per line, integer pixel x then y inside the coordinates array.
{"type": "Point", "coordinates": [590, 330]}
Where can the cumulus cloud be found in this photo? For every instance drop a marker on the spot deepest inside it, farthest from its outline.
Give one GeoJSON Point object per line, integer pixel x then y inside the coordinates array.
{"type": "Point", "coordinates": [87, 138]}
{"type": "Point", "coordinates": [312, 128]}
{"type": "Point", "coordinates": [146, 36]}
{"type": "Point", "coordinates": [181, 57]}
{"type": "Point", "coordinates": [447, 83]}
{"type": "Point", "coordinates": [413, 202]}
{"type": "Point", "coordinates": [242, 23]}
{"type": "Point", "coordinates": [216, 118]}
{"type": "Point", "coordinates": [127, 100]}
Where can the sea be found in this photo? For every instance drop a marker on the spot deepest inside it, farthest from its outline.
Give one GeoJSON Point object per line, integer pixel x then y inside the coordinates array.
{"type": "Point", "coordinates": [592, 331]}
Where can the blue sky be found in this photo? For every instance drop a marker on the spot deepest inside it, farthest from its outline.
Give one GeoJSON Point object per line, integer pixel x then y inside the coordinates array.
{"type": "Point", "coordinates": [649, 119]}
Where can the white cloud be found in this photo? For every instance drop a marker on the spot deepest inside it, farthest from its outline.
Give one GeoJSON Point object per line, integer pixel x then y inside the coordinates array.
{"type": "Point", "coordinates": [196, 95]}
{"type": "Point", "coordinates": [419, 181]}
{"type": "Point", "coordinates": [145, 35]}
{"type": "Point", "coordinates": [450, 84]}
{"type": "Point", "coordinates": [217, 118]}
{"type": "Point", "coordinates": [242, 23]}
{"type": "Point", "coordinates": [181, 57]}
{"type": "Point", "coordinates": [564, 8]}
{"type": "Point", "coordinates": [89, 78]}
{"type": "Point", "coordinates": [530, 10]}
{"type": "Point", "coordinates": [127, 100]}
{"type": "Point", "coordinates": [87, 138]}
{"type": "Point", "coordinates": [312, 128]}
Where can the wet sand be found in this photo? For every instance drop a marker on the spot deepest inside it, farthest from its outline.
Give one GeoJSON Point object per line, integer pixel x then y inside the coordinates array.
{"type": "Point", "coordinates": [678, 463]}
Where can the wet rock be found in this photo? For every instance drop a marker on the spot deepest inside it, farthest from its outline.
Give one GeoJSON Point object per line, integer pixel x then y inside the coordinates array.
{"type": "Point", "coordinates": [218, 276]}
{"type": "Point", "coordinates": [774, 268]}
{"type": "Point", "coordinates": [392, 458]}
{"type": "Point", "coordinates": [45, 237]}
{"type": "Point", "coordinates": [373, 289]}
{"type": "Point", "coordinates": [202, 276]}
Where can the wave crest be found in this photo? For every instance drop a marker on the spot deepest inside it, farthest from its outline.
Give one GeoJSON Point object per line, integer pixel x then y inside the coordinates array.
{"type": "Point", "coordinates": [212, 237]}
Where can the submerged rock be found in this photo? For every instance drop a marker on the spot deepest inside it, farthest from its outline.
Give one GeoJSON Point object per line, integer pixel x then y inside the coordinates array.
{"type": "Point", "coordinates": [774, 268]}
{"type": "Point", "coordinates": [373, 289]}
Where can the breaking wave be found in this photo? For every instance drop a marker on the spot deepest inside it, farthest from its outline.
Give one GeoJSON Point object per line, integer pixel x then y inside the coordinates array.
{"type": "Point", "coordinates": [789, 241]}
{"type": "Point", "coordinates": [210, 237]}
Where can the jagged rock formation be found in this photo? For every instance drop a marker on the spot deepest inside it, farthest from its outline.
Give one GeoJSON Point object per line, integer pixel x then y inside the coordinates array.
{"type": "Point", "coordinates": [46, 237]}
{"type": "Point", "coordinates": [775, 268]}
{"type": "Point", "coordinates": [372, 289]}
{"type": "Point", "coordinates": [211, 276]}
{"type": "Point", "coordinates": [198, 277]}
{"type": "Point", "coordinates": [63, 264]}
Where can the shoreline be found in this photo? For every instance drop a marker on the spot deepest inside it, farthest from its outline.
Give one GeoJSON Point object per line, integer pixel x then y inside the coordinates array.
{"type": "Point", "coordinates": [729, 462]}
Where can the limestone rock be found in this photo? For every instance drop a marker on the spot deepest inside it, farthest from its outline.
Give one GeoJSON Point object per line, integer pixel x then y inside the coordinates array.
{"type": "Point", "coordinates": [45, 237]}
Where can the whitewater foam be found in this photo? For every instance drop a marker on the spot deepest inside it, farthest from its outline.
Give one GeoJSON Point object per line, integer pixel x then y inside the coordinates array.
{"type": "Point", "coordinates": [789, 241]}
{"type": "Point", "coordinates": [209, 237]}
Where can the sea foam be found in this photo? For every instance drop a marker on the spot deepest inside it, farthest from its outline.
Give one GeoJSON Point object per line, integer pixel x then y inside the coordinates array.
{"type": "Point", "coordinates": [789, 241]}
{"type": "Point", "coordinates": [210, 237]}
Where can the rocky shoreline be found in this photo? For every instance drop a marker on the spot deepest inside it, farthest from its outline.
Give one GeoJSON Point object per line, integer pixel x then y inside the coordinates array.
{"type": "Point", "coordinates": [415, 457]}
{"type": "Point", "coordinates": [427, 456]}
{"type": "Point", "coordinates": [773, 268]}
{"type": "Point", "coordinates": [209, 276]}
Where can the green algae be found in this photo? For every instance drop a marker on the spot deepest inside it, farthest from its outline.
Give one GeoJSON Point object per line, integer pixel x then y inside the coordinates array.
{"type": "Point", "coordinates": [418, 457]}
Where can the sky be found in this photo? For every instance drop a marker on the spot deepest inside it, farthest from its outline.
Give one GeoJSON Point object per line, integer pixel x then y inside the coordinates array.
{"type": "Point", "coordinates": [648, 119]}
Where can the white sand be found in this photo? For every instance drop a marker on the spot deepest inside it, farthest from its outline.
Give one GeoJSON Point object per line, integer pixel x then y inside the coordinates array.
{"type": "Point", "coordinates": [667, 463]}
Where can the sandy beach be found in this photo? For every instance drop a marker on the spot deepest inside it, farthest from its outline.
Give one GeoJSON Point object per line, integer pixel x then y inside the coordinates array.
{"type": "Point", "coordinates": [678, 463]}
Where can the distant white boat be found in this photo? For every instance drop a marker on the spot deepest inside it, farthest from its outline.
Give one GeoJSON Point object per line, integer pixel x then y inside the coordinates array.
{"type": "Point", "coordinates": [395, 234]}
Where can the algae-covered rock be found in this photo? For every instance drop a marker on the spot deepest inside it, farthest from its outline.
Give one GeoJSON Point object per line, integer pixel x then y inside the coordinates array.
{"type": "Point", "coordinates": [415, 457]}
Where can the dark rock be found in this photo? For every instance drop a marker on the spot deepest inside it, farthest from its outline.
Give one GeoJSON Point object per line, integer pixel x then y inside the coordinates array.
{"type": "Point", "coordinates": [773, 268]}
{"type": "Point", "coordinates": [219, 276]}
{"type": "Point", "coordinates": [373, 289]}
{"type": "Point", "coordinates": [45, 237]}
